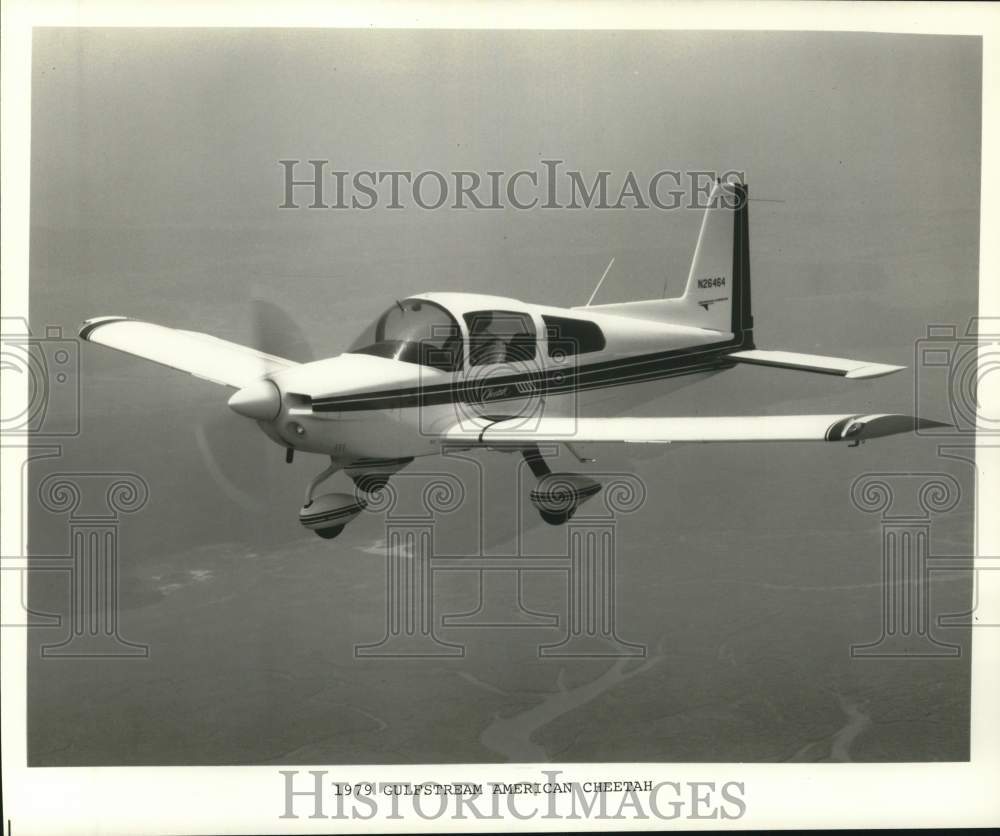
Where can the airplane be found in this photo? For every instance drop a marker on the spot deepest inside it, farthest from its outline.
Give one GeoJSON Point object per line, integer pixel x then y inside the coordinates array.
{"type": "Point", "coordinates": [445, 371]}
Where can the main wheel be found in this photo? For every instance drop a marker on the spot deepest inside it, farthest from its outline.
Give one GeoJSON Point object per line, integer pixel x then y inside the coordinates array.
{"type": "Point", "coordinates": [557, 517]}
{"type": "Point", "coordinates": [329, 533]}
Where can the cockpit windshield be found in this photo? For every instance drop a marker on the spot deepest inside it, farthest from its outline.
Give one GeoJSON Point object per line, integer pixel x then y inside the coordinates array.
{"type": "Point", "coordinates": [414, 331]}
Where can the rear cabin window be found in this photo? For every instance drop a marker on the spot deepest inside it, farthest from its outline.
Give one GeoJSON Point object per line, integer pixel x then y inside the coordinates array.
{"type": "Point", "coordinates": [572, 336]}
{"type": "Point", "coordinates": [500, 337]}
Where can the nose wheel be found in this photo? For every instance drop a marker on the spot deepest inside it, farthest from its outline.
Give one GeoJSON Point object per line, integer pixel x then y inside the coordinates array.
{"type": "Point", "coordinates": [329, 533]}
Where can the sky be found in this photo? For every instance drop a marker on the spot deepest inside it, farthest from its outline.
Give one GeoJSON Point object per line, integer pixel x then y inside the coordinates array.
{"type": "Point", "coordinates": [155, 188]}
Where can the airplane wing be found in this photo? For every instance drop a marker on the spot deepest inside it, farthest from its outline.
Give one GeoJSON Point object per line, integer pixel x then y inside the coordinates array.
{"type": "Point", "coordinates": [854, 369]}
{"type": "Point", "coordinates": [201, 355]}
{"type": "Point", "coordinates": [519, 432]}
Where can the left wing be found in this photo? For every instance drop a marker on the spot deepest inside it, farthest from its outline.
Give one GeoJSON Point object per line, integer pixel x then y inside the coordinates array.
{"type": "Point", "coordinates": [201, 355]}
{"type": "Point", "coordinates": [526, 431]}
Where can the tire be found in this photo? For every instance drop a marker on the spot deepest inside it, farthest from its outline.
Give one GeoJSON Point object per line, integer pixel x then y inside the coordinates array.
{"type": "Point", "coordinates": [557, 517]}
{"type": "Point", "coordinates": [329, 533]}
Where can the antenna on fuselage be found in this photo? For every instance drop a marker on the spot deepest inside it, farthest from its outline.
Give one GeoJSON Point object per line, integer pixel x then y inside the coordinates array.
{"type": "Point", "coordinates": [606, 271]}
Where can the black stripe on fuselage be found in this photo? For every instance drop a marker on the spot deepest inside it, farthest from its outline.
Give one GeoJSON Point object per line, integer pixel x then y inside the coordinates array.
{"type": "Point", "coordinates": [639, 369]}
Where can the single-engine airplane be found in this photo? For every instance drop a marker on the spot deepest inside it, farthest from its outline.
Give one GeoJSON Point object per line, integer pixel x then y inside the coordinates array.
{"type": "Point", "coordinates": [463, 370]}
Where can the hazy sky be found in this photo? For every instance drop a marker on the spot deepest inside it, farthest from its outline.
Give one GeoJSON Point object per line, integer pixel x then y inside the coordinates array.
{"type": "Point", "coordinates": [872, 142]}
{"type": "Point", "coordinates": [182, 127]}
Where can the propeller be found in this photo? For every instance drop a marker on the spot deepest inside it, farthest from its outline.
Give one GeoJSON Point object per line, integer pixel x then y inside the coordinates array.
{"type": "Point", "coordinates": [235, 453]}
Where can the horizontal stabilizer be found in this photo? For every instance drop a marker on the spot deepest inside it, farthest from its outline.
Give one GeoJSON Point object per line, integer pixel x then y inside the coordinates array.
{"type": "Point", "coordinates": [201, 355]}
{"type": "Point", "coordinates": [855, 369]}
{"type": "Point", "coordinates": [517, 431]}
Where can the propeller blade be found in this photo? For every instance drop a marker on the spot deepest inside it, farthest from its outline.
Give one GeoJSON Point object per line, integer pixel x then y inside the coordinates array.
{"type": "Point", "coordinates": [275, 332]}
{"type": "Point", "coordinates": [217, 445]}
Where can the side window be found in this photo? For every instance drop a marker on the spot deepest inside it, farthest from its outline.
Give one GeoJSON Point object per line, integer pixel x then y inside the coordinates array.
{"type": "Point", "coordinates": [572, 336]}
{"type": "Point", "coordinates": [500, 337]}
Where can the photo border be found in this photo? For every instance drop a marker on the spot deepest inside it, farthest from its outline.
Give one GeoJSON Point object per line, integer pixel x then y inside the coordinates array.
{"type": "Point", "coordinates": [245, 799]}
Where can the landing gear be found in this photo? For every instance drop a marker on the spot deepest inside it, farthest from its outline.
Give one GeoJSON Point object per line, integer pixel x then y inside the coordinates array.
{"type": "Point", "coordinates": [328, 514]}
{"type": "Point", "coordinates": [369, 483]}
{"type": "Point", "coordinates": [557, 495]}
{"type": "Point", "coordinates": [371, 475]}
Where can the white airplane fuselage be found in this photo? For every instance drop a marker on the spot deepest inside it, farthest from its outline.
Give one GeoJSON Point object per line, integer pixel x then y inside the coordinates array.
{"type": "Point", "coordinates": [354, 405]}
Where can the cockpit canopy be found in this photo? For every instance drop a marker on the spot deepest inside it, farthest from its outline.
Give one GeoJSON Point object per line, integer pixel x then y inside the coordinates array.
{"type": "Point", "coordinates": [423, 332]}
{"type": "Point", "coordinates": [414, 331]}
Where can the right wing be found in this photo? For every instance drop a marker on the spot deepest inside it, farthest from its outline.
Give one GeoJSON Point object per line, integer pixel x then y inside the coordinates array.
{"type": "Point", "coordinates": [526, 432]}
{"type": "Point", "coordinates": [201, 355]}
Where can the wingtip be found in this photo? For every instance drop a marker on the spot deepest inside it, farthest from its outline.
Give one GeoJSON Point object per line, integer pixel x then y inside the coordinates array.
{"type": "Point", "coordinates": [90, 325]}
{"type": "Point", "coordinates": [873, 370]}
{"type": "Point", "coordinates": [929, 424]}
{"type": "Point", "coordinates": [864, 427]}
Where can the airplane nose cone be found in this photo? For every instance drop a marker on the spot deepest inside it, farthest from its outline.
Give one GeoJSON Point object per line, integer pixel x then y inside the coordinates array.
{"type": "Point", "coordinates": [260, 401]}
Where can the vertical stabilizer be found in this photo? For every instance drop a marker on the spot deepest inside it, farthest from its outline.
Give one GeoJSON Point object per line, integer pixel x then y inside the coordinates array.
{"type": "Point", "coordinates": [717, 294]}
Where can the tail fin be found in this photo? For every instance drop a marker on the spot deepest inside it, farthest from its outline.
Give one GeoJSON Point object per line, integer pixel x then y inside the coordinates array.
{"type": "Point", "coordinates": [717, 294]}
{"type": "Point", "coordinates": [718, 286]}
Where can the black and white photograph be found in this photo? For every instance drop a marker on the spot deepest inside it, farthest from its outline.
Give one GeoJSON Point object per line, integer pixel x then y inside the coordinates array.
{"type": "Point", "coordinates": [523, 421]}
